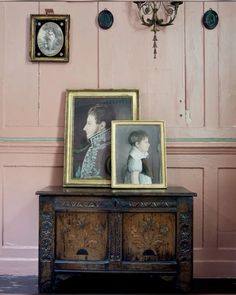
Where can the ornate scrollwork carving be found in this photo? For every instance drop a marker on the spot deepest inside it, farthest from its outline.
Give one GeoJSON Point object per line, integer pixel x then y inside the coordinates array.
{"type": "Point", "coordinates": [149, 204]}
{"type": "Point", "coordinates": [82, 204]}
{"type": "Point", "coordinates": [185, 241]}
{"type": "Point", "coordinates": [46, 237]}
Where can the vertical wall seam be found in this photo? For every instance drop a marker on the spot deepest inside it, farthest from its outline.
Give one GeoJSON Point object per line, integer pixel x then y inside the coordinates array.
{"type": "Point", "coordinates": [217, 204]}
{"type": "Point", "coordinates": [2, 229]}
{"type": "Point", "coordinates": [185, 65]}
{"type": "Point", "coordinates": [218, 71]}
{"type": "Point", "coordinates": [38, 105]}
{"type": "Point", "coordinates": [98, 52]}
{"type": "Point", "coordinates": [204, 70]}
{"type": "Point", "coordinates": [3, 68]}
{"type": "Point", "coordinates": [203, 208]}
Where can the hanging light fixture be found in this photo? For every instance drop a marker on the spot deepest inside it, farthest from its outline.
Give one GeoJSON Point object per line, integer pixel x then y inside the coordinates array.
{"type": "Point", "coordinates": [156, 14]}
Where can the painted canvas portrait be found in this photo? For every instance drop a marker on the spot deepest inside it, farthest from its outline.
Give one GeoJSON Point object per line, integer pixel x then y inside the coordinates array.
{"type": "Point", "coordinates": [89, 114]}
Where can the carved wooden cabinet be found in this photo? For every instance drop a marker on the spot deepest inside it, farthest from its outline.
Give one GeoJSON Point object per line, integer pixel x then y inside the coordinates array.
{"type": "Point", "coordinates": [103, 230]}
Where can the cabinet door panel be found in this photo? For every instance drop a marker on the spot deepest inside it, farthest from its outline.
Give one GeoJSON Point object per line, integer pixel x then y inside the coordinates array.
{"type": "Point", "coordinates": [148, 237]}
{"type": "Point", "coordinates": [81, 236]}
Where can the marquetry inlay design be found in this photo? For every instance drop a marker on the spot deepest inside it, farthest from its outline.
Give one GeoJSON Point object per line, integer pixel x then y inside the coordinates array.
{"type": "Point", "coordinates": [149, 236]}
{"type": "Point", "coordinates": [82, 236]}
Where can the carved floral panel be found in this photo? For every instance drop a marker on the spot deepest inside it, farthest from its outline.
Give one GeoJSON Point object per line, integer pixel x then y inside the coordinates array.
{"type": "Point", "coordinates": [81, 236]}
{"type": "Point", "coordinates": [149, 236]}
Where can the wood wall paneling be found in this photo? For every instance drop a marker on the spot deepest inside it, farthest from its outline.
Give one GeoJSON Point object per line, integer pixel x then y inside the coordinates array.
{"type": "Point", "coordinates": [194, 71]}
{"type": "Point", "coordinates": [23, 170]}
{"type": "Point", "coordinates": [19, 79]}
{"type": "Point", "coordinates": [212, 176]}
{"type": "Point", "coordinates": [226, 212]}
{"type": "Point", "coordinates": [79, 73]}
{"type": "Point", "coordinates": [227, 65]}
{"type": "Point", "coordinates": [126, 61]}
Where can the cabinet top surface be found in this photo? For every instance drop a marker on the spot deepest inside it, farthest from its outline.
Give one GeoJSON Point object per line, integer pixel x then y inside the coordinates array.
{"type": "Point", "coordinates": [109, 192]}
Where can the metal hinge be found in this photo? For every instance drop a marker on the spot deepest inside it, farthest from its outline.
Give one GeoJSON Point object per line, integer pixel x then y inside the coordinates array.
{"type": "Point", "coordinates": [188, 118]}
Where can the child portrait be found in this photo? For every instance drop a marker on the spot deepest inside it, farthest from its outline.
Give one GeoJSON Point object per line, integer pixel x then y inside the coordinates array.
{"type": "Point", "coordinates": [138, 154]}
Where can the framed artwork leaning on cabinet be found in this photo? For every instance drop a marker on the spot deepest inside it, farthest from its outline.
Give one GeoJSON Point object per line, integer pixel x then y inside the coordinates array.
{"type": "Point", "coordinates": [138, 154]}
{"type": "Point", "coordinates": [49, 37]}
{"type": "Point", "coordinates": [88, 116]}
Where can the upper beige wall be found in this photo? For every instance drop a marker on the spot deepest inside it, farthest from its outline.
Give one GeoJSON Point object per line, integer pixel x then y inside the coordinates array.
{"type": "Point", "coordinates": [189, 85]}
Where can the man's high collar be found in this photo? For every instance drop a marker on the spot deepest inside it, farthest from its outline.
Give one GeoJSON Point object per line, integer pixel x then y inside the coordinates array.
{"type": "Point", "coordinates": [101, 137]}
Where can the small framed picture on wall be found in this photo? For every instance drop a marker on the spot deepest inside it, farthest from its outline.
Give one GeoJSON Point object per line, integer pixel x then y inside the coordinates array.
{"type": "Point", "coordinates": [138, 154]}
{"type": "Point", "coordinates": [49, 37]}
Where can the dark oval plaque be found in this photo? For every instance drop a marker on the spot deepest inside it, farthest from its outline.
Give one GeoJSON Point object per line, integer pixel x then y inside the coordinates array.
{"type": "Point", "coordinates": [210, 19]}
{"type": "Point", "coordinates": [105, 19]}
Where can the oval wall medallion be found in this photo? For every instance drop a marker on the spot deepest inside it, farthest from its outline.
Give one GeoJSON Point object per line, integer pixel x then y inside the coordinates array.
{"type": "Point", "coordinates": [105, 19]}
{"type": "Point", "coordinates": [210, 19]}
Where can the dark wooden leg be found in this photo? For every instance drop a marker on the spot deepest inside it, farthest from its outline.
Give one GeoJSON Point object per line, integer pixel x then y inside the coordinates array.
{"type": "Point", "coordinates": [185, 244]}
{"type": "Point", "coordinates": [46, 245]}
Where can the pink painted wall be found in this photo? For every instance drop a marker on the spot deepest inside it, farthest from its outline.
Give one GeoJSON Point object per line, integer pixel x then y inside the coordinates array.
{"type": "Point", "coordinates": [191, 86]}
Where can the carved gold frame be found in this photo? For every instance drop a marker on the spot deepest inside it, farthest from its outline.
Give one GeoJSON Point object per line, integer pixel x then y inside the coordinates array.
{"type": "Point", "coordinates": [121, 148]}
{"type": "Point", "coordinates": [126, 104]}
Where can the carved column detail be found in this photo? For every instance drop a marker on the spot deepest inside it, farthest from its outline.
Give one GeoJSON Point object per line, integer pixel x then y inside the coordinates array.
{"type": "Point", "coordinates": [46, 246]}
{"type": "Point", "coordinates": [185, 240]}
{"type": "Point", "coordinates": [115, 236]}
{"type": "Point", "coordinates": [46, 238]}
{"type": "Point", "coordinates": [184, 248]}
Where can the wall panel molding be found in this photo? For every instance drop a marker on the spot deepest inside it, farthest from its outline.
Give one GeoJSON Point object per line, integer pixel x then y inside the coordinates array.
{"type": "Point", "coordinates": [214, 216]}
{"type": "Point", "coordinates": [194, 165]}
{"type": "Point", "coordinates": [40, 147]}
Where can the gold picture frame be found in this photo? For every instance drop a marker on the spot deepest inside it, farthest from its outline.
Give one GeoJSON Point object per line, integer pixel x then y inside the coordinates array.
{"type": "Point", "coordinates": [88, 116]}
{"type": "Point", "coordinates": [49, 37]}
{"type": "Point", "coordinates": [138, 154]}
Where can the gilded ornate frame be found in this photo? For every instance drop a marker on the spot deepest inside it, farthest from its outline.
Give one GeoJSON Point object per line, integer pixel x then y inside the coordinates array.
{"type": "Point", "coordinates": [121, 148]}
{"type": "Point", "coordinates": [124, 102]}
{"type": "Point", "coordinates": [49, 37]}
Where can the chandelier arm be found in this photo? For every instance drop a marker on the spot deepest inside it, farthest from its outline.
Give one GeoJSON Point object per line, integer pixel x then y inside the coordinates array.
{"type": "Point", "coordinates": [147, 22]}
{"type": "Point", "coordinates": [157, 14]}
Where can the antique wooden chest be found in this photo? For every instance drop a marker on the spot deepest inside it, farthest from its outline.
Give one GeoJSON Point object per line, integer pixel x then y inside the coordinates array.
{"type": "Point", "coordinates": [102, 230]}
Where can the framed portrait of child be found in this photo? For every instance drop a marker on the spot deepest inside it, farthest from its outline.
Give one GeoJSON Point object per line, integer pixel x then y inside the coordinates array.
{"type": "Point", "coordinates": [88, 117]}
{"type": "Point", "coordinates": [138, 154]}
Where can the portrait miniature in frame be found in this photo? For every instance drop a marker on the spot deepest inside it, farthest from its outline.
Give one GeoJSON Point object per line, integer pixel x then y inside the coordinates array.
{"type": "Point", "coordinates": [88, 117]}
{"type": "Point", "coordinates": [138, 154]}
{"type": "Point", "coordinates": [49, 37]}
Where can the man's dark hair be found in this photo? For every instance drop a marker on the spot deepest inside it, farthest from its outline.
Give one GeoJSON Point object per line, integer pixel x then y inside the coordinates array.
{"type": "Point", "coordinates": [102, 112]}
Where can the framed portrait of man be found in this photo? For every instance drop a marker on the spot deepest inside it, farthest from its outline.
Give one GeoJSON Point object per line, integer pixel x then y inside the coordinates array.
{"type": "Point", "coordinates": [138, 154]}
{"type": "Point", "coordinates": [49, 37]}
{"type": "Point", "coordinates": [88, 117]}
